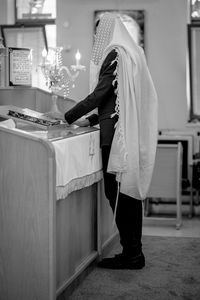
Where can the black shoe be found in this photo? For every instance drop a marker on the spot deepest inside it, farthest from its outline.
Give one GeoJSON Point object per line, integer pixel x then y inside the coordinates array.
{"type": "Point", "coordinates": [121, 261]}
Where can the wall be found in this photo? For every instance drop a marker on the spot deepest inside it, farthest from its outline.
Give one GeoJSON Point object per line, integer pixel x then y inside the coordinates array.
{"type": "Point", "coordinates": [7, 11]}
{"type": "Point", "coordinates": [165, 44]}
{"type": "Point", "coordinates": [3, 16]}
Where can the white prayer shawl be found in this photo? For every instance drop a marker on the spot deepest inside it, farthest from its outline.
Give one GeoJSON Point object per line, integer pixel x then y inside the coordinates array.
{"type": "Point", "coordinates": [133, 148]}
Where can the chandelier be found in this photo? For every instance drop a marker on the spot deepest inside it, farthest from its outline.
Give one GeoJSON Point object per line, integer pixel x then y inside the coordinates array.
{"type": "Point", "coordinates": [59, 77]}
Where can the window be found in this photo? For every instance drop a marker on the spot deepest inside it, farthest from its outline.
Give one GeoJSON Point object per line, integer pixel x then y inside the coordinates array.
{"type": "Point", "coordinates": [194, 70]}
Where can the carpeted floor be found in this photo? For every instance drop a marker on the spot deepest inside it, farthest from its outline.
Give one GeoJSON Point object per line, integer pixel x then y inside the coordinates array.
{"type": "Point", "coordinates": [172, 272]}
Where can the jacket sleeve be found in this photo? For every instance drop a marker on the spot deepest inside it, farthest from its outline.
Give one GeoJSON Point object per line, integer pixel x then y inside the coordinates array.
{"type": "Point", "coordinates": [98, 96]}
{"type": "Point", "coordinates": [93, 119]}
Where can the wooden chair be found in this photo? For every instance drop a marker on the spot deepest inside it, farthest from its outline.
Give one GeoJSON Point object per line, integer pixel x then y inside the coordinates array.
{"type": "Point", "coordinates": [166, 179]}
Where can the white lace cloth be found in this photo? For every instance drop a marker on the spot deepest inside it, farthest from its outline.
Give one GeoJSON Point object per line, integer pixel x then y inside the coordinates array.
{"type": "Point", "coordinates": [78, 163]}
{"type": "Point", "coordinates": [78, 160]}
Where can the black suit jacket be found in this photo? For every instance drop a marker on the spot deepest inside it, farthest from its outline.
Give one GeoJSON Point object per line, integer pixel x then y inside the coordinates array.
{"type": "Point", "coordinates": [103, 98]}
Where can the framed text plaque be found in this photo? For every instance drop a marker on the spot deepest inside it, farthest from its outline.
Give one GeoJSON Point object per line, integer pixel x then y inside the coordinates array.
{"type": "Point", "coordinates": [20, 66]}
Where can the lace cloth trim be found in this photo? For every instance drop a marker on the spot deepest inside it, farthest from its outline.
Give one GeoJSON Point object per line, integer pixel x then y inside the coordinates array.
{"type": "Point", "coordinates": [78, 184]}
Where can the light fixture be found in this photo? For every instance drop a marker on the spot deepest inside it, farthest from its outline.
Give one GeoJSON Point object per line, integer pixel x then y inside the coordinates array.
{"type": "Point", "coordinates": [58, 77]}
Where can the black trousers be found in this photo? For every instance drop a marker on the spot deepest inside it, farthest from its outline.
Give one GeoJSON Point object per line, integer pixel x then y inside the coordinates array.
{"type": "Point", "coordinates": [129, 211]}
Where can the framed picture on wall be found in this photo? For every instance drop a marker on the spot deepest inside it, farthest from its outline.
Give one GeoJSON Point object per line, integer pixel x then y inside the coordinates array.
{"type": "Point", "coordinates": [195, 11]}
{"type": "Point", "coordinates": [16, 67]}
{"type": "Point", "coordinates": [20, 71]}
{"type": "Point", "coordinates": [34, 11]}
{"type": "Point", "coordinates": [135, 19]}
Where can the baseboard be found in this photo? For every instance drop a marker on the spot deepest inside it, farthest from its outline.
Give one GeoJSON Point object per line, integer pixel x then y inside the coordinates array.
{"type": "Point", "coordinates": [77, 281]}
{"type": "Point", "coordinates": [70, 288]}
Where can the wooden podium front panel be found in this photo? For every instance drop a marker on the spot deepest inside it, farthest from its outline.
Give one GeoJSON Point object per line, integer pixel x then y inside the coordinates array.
{"type": "Point", "coordinates": [45, 243]}
{"type": "Point", "coordinates": [76, 238]}
{"type": "Point", "coordinates": [27, 221]}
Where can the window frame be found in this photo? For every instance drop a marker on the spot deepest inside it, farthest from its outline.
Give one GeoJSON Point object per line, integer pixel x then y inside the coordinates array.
{"type": "Point", "coordinates": [192, 74]}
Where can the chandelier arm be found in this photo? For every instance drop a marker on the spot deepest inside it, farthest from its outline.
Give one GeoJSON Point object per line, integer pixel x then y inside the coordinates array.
{"type": "Point", "coordinates": [69, 74]}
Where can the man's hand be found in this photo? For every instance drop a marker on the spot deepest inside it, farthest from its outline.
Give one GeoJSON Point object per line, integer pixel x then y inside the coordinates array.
{"type": "Point", "coordinates": [55, 115]}
{"type": "Point", "coordinates": [82, 122]}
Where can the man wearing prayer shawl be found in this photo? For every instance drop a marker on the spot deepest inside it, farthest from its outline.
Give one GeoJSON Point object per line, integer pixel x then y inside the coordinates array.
{"type": "Point", "coordinates": [123, 93]}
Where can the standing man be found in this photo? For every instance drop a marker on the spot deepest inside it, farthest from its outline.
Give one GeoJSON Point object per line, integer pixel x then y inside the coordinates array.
{"type": "Point", "coordinates": [123, 92]}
